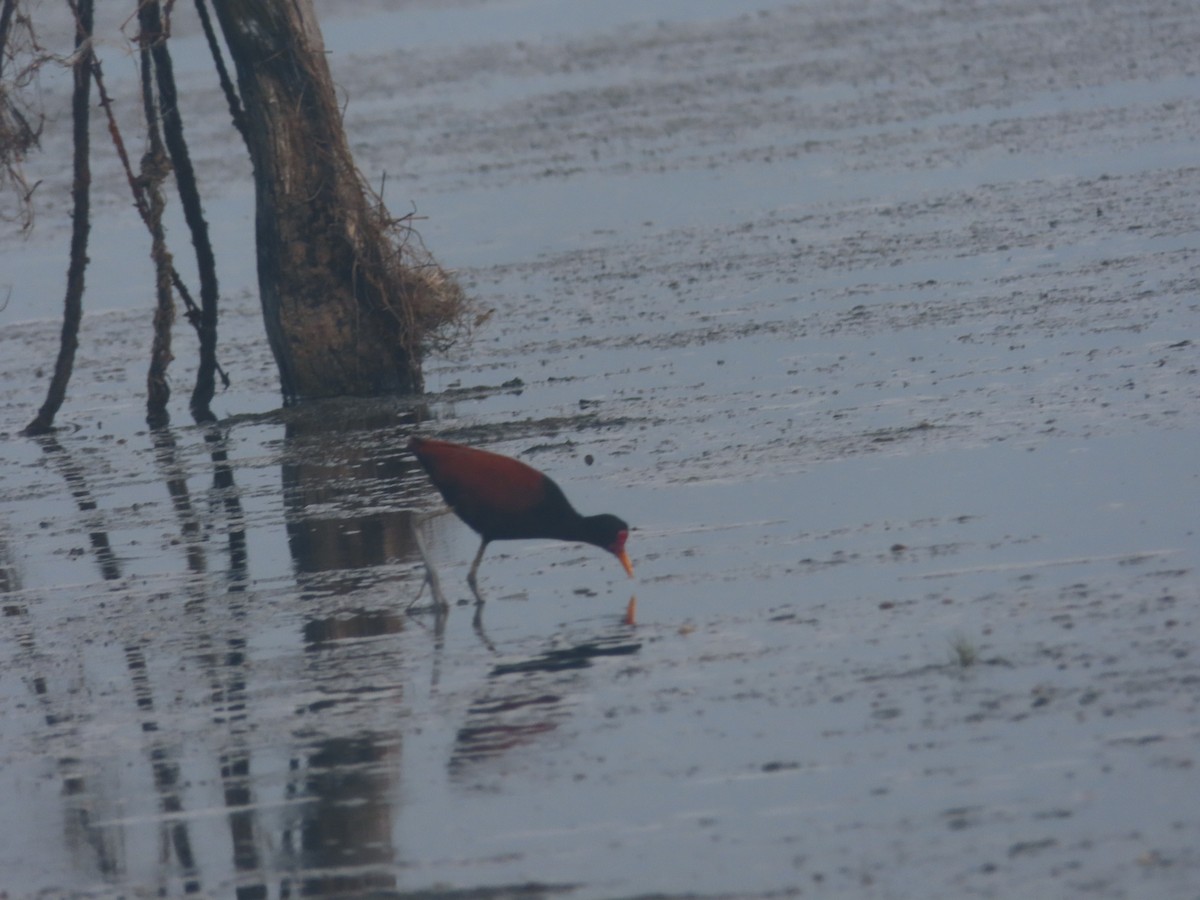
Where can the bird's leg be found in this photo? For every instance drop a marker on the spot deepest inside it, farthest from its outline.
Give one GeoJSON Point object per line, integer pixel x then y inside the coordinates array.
{"type": "Point", "coordinates": [431, 576]}
{"type": "Point", "coordinates": [477, 624]}
{"type": "Point", "coordinates": [471, 580]}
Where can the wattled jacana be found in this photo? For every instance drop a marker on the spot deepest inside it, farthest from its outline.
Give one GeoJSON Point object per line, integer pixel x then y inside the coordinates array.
{"type": "Point", "coordinates": [503, 499]}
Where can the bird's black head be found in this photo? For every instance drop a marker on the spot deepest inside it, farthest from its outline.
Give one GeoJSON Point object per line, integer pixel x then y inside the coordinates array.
{"type": "Point", "coordinates": [609, 532]}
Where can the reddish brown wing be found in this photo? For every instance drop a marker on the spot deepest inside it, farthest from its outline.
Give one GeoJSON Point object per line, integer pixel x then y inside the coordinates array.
{"type": "Point", "coordinates": [478, 481]}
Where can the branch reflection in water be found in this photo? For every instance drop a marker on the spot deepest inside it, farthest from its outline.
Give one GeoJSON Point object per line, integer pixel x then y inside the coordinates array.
{"type": "Point", "coordinates": [234, 624]}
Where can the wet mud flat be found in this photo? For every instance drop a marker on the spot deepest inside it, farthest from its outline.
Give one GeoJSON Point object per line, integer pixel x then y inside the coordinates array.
{"type": "Point", "coordinates": [879, 323]}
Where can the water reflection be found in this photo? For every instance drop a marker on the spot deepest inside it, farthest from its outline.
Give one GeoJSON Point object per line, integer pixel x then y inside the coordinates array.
{"type": "Point", "coordinates": [525, 699]}
{"type": "Point", "coordinates": [349, 518]}
{"type": "Point", "coordinates": [259, 718]}
{"type": "Point", "coordinates": [75, 476]}
{"type": "Point", "coordinates": [340, 488]}
{"type": "Point", "coordinates": [347, 524]}
{"type": "Point", "coordinates": [353, 625]}
{"type": "Point", "coordinates": [195, 526]}
{"type": "Point", "coordinates": [98, 844]}
{"type": "Point", "coordinates": [579, 656]}
{"type": "Point", "coordinates": [164, 752]}
{"type": "Point", "coordinates": [342, 839]}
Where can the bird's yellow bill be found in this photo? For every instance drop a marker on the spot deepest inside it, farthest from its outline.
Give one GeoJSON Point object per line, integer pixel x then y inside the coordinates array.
{"type": "Point", "coordinates": [624, 558]}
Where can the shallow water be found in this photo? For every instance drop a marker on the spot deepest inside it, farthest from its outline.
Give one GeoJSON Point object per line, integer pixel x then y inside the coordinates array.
{"type": "Point", "coordinates": [879, 335]}
{"type": "Point", "coordinates": [230, 671]}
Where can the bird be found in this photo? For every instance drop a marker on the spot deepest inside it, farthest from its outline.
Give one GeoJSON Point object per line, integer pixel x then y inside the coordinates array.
{"type": "Point", "coordinates": [503, 499]}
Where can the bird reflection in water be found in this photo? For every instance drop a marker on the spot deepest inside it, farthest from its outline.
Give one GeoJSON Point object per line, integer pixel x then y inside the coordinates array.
{"type": "Point", "coordinates": [526, 698]}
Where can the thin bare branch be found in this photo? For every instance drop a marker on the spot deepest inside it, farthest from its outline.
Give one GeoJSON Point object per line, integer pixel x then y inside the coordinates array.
{"type": "Point", "coordinates": [81, 222]}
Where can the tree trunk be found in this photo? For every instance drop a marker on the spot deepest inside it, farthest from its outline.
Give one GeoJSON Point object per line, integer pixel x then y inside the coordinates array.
{"type": "Point", "coordinates": [343, 314]}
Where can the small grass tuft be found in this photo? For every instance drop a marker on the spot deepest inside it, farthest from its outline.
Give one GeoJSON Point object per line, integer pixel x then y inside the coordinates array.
{"type": "Point", "coordinates": [964, 653]}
